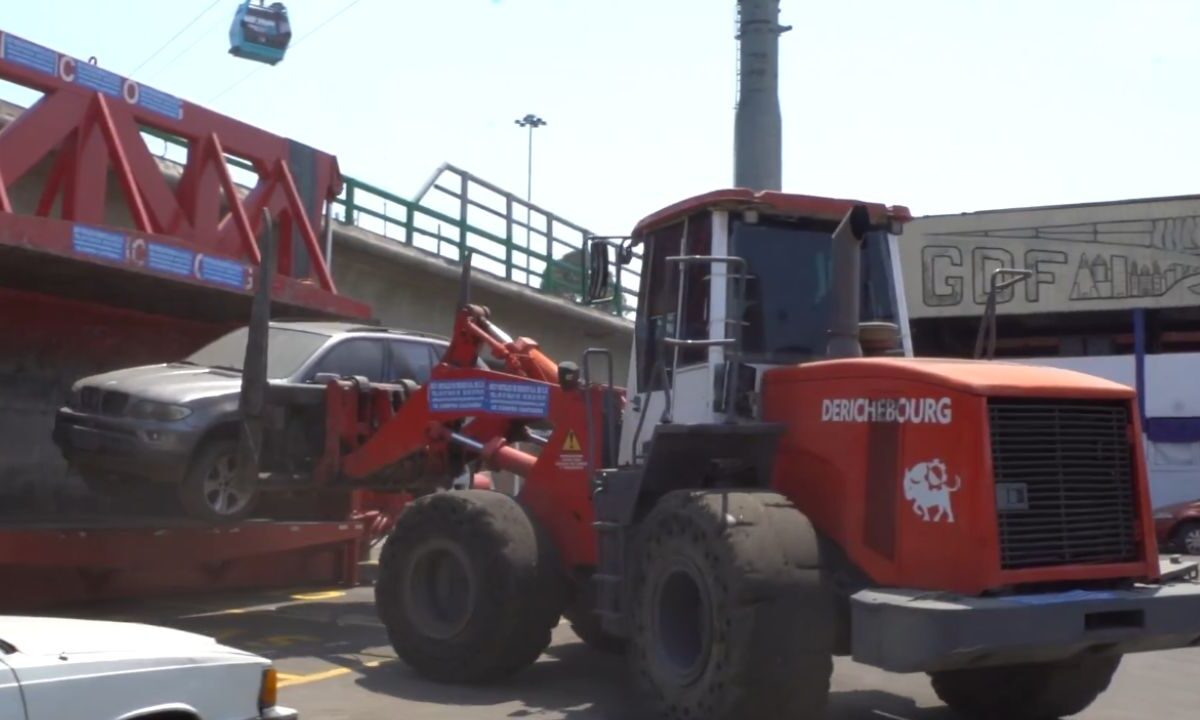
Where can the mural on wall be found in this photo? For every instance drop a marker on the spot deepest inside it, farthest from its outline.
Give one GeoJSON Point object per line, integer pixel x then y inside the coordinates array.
{"type": "Point", "coordinates": [1088, 266]}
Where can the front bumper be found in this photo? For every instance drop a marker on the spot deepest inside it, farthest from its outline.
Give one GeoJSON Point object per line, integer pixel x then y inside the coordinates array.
{"type": "Point", "coordinates": [917, 631]}
{"type": "Point", "coordinates": [279, 712]}
{"type": "Point", "coordinates": [144, 449]}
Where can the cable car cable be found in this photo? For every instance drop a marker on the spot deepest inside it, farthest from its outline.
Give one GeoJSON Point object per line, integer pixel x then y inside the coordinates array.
{"type": "Point", "coordinates": [174, 37]}
{"type": "Point", "coordinates": [220, 23]}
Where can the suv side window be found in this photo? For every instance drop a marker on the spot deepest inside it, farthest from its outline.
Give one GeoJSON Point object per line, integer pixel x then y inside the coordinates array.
{"type": "Point", "coordinates": [359, 356]}
{"type": "Point", "coordinates": [411, 361]}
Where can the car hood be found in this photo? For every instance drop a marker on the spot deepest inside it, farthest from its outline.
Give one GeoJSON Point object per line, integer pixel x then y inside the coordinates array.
{"type": "Point", "coordinates": [1179, 507]}
{"type": "Point", "coordinates": [174, 383]}
{"type": "Point", "coordinates": [55, 636]}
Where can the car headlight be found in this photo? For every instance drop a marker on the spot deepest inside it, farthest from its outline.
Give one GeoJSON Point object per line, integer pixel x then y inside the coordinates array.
{"type": "Point", "coordinates": [162, 412]}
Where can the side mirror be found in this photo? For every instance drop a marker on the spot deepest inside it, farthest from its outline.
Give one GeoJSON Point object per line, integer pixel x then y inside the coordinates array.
{"type": "Point", "coordinates": [599, 278]}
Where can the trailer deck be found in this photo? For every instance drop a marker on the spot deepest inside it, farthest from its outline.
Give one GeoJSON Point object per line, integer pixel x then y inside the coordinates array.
{"type": "Point", "coordinates": [69, 561]}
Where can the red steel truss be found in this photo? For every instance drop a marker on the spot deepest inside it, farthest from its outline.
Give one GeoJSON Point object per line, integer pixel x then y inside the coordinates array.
{"type": "Point", "coordinates": [87, 130]}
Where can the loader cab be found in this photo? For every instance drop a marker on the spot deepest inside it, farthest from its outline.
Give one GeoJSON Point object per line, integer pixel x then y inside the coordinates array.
{"type": "Point", "coordinates": [735, 282]}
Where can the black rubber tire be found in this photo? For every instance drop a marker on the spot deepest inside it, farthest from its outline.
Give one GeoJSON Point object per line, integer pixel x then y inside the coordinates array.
{"type": "Point", "coordinates": [758, 634]}
{"type": "Point", "coordinates": [514, 586]}
{"type": "Point", "coordinates": [1179, 537]}
{"type": "Point", "coordinates": [192, 492]}
{"type": "Point", "coordinates": [1033, 691]}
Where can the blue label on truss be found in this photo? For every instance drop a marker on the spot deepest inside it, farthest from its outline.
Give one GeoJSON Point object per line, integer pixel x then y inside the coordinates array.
{"type": "Point", "coordinates": [165, 258]}
{"type": "Point", "coordinates": [94, 77]}
{"type": "Point", "coordinates": [31, 55]}
{"type": "Point", "coordinates": [222, 272]}
{"type": "Point", "coordinates": [160, 102]}
{"type": "Point", "coordinates": [509, 397]}
{"type": "Point", "coordinates": [98, 243]}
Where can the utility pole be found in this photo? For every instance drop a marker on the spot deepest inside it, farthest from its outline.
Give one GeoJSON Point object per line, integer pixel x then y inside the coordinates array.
{"type": "Point", "coordinates": [532, 122]}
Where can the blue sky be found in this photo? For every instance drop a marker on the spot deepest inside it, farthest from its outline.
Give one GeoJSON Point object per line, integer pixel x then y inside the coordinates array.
{"type": "Point", "coordinates": [941, 105]}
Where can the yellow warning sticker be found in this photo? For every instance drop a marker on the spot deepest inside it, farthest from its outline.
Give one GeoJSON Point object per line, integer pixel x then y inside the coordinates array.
{"type": "Point", "coordinates": [571, 444]}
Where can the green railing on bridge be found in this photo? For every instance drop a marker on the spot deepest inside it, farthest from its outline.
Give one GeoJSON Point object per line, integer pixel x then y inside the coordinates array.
{"type": "Point", "coordinates": [507, 236]}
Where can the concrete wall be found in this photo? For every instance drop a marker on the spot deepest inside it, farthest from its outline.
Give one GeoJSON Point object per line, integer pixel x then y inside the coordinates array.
{"type": "Point", "coordinates": [412, 289]}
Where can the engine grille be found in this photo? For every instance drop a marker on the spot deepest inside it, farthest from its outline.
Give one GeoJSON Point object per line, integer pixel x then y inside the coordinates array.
{"type": "Point", "coordinates": [104, 402]}
{"type": "Point", "coordinates": [1064, 482]}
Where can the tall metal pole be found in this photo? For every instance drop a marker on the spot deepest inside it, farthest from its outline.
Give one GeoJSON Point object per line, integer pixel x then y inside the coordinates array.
{"type": "Point", "coordinates": [532, 122]}
{"type": "Point", "coordinates": [758, 143]}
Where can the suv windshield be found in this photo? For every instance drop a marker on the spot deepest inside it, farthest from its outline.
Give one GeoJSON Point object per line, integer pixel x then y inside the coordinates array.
{"type": "Point", "coordinates": [789, 295]}
{"type": "Point", "coordinates": [286, 351]}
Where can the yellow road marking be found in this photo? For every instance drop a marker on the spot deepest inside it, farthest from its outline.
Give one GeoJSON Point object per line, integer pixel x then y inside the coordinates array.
{"type": "Point", "coordinates": [322, 595]}
{"type": "Point", "coordinates": [288, 680]}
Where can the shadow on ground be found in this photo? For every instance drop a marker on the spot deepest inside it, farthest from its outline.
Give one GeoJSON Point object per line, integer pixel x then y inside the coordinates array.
{"type": "Point", "coordinates": [573, 681]}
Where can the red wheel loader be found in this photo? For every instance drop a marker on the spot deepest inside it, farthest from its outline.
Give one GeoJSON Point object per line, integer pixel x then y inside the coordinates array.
{"type": "Point", "coordinates": [779, 483]}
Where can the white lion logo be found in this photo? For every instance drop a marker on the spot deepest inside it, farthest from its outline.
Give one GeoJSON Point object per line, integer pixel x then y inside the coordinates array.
{"type": "Point", "coordinates": [927, 487]}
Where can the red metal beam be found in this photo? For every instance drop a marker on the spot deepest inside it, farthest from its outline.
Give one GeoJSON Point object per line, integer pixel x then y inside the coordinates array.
{"type": "Point", "coordinates": [92, 120]}
{"type": "Point", "coordinates": [120, 161]}
{"type": "Point", "coordinates": [306, 231]}
{"type": "Point", "coordinates": [241, 222]}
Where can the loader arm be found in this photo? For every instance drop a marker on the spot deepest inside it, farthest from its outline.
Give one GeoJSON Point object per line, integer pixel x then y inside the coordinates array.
{"type": "Point", "coordinates": [379, 435]}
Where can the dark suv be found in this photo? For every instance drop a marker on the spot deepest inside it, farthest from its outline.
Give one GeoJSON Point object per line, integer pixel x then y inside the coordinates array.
{"type": "Point", "coordinates": [177, 422]}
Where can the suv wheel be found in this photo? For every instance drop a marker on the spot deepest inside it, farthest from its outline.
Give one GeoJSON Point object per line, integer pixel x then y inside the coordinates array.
{"type": "Point", "coordinates": [211, 489]}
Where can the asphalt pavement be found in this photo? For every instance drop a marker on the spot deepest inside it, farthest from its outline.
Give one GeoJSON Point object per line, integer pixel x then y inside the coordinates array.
{"type": "Point", "coordinates": [335, 664]}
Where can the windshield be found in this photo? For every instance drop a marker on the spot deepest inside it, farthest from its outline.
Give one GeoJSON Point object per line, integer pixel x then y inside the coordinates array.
{"type": "Point", "coordinates": [789, 294]}
{"type": "Point", "coordinates": [286, 351]}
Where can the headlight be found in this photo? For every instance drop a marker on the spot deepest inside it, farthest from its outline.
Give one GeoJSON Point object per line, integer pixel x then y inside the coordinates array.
{"type": "Point", "coordinates": [268, 692]}
{"type": "Point", "coordinates": [162, 412]}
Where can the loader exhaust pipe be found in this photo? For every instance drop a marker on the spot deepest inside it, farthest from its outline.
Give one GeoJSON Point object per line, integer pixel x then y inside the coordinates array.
{"type": "Point", "coordinates": [847, 284]}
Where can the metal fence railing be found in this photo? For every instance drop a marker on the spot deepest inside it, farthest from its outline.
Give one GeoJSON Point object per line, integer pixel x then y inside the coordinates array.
{"type": "Point", "coordinates": [454, 211]}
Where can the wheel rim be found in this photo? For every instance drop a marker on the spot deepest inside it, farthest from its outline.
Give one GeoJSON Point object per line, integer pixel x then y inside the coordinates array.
{"type": "Point", "coordinates": [1191, 541]}
{"type": "Point", "coordinates": [440, 589]}
{"type": "Point", "coordinates": [224, 492]}
{"type": "Point", "coordinates": [682, 624]}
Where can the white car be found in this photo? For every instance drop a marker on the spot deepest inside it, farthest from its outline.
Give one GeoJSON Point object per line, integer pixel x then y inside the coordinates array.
{"type": "Point", "coordinates": [63, 669]}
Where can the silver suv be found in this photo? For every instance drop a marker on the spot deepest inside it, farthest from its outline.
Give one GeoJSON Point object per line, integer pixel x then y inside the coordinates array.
{"type": "Point", "coordinates": [177, 422]}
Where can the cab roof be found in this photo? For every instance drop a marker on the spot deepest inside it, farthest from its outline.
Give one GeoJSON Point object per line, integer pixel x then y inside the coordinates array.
{"type": "Point", "coordinates": [769, 202]}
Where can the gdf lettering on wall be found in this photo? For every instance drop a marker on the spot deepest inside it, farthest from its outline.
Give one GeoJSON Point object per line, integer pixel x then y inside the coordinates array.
{"type": "Point", "coordinates": [928, 411]}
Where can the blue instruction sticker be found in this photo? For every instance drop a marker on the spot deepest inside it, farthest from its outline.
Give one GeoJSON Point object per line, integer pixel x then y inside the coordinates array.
{"type": "Point", "coordinates": [505, 397]}
{"type": "Point", "coordinates": [452, 395]}
{"type": "Point", "coordinates": [98, 243]}
{"type": "Point", "coordinates": [518, 398]}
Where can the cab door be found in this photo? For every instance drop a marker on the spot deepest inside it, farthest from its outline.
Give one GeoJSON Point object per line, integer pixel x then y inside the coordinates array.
{"type": "Point", "coordinates": [670, 380]}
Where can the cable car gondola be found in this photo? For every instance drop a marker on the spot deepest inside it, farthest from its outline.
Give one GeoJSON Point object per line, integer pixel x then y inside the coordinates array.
{"type": "Point", "coordinates": [260, 32]}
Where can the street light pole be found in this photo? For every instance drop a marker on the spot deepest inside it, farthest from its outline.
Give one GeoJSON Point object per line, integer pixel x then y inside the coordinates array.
{"type": "Point", "coordinates": [532, 122]}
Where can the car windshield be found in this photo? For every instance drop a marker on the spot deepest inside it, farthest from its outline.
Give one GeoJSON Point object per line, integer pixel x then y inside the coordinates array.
{"type": "Point", "coordinates": [286, 351]}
